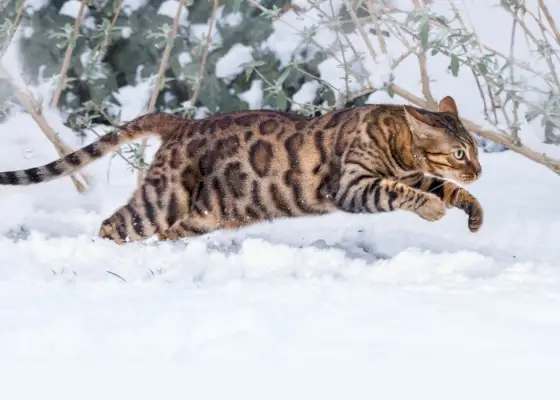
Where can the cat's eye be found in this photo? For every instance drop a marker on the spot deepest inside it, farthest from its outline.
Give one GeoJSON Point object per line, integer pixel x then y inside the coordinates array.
{"type": "Point", "coordinates": [459, 154]}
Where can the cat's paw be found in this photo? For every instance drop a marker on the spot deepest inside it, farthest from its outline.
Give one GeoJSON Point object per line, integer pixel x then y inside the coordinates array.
{"type": "Point", "coordinates": [476, 215]}
{"type": "Point", "coordinates": [168, 235]}
{"type": "Point", "coordinates": [432, 209]}
{"type": "Point", "coordinates": [469, 204]}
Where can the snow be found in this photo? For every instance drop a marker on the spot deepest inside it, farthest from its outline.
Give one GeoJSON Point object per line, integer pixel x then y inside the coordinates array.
{"type": "Point", "coordinates": [232, 63]}
{"type": "Point", "coordinates": [232, 19]}
{"type": "Point", "coordinates": [27, 32]}
{"type": "Point", "coordinates": [184, 58]}
{"type": "Point", "coordinates": [126, 31]}
{"type": "Point", "coordinates": [130, 6]}
{"type": "Point", "coordinates": [169, 8]}
{"type": "Point", "coordinates": [71, 8]}
{"type": "Point", "coordinates": [340, 305]}
{"type": "Point", "coordinates": [253, 96]}
{"type": "Point", "coordinates": [200, 33]}
{"type": "Point", "coordinates": [134, 99]}
{"type": "Point", "coordinates": [35, 5]}
{"type": "Point", "coordinates": [306, 94]}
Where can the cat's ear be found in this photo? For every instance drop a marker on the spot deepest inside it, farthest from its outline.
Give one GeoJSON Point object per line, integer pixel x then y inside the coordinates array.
{"type": "Point", "coordinates": [447, 104]}
{"type": "Point", "coordinates": [420, 126]}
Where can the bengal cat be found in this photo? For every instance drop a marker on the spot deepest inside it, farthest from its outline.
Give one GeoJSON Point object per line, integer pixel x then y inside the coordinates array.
{"type": "Point", "coordinates": [234, 169]}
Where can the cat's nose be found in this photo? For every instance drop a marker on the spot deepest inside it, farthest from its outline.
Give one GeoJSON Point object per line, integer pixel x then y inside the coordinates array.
{"type": "Point", "coordinates": [477, 168]}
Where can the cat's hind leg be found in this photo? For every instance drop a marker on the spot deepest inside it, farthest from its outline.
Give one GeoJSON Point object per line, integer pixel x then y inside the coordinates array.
{"type": "Point", "coordinates": [198, 224]}
{"type": "Point", "coordinates": [152, 209]}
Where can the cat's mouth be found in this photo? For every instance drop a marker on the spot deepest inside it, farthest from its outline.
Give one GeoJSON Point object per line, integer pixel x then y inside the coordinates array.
{"type": "Point", "coordinates": [458, 178]}
{"type": "Point", "coordinates": [470, 178]}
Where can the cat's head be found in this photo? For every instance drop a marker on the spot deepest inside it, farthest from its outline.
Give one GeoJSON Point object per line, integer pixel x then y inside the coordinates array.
{"type": "Point", "coordinates": [442, 144]}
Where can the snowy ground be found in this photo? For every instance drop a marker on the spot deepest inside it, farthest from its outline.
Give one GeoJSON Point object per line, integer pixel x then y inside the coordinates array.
{"type": "Point", "coordinates": [387, 306]}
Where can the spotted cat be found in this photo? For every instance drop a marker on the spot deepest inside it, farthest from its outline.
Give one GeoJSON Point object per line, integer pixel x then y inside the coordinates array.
{"type": "Point", "coordinates": [234, 169]}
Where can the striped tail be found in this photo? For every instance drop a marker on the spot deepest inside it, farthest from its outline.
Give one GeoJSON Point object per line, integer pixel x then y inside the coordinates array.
{"type": "Point", "coordinates": [159, 124]}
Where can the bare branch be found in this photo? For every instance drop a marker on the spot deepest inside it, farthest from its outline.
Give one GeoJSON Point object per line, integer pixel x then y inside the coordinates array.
{"type": "Point", "coordinates": [105, 42]}
{"type": "Point", "coordinates": [159, 78]}
{"type": "Point", "coordinates": [550, 20]}
{"type": "Point", "coordinates": [26, 100]}
{"type": "Point", "coordinates": [515, 125]}
{"type": "Point", "coordinates": [360, 28]}
{"type": "Point", "coordinates": [425, 79]}
{"type": "Point", "coordinates": [337, 31]}
{"type": "Point", "coordinates": [16, 22]}
{"type": "Point", "coordinates": [68, 55]}
{"type": "Point", "coordinates": [373, 14]}
{"type": "Point", "coordinates": [194, 97]}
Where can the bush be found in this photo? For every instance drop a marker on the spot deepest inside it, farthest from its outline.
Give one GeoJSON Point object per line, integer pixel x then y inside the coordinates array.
{"type": "Point", "coordinates": [307, 56]}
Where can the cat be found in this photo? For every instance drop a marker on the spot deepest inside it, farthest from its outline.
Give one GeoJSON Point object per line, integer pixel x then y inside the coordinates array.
{"type": "Point", "coordinates": [234, 169]}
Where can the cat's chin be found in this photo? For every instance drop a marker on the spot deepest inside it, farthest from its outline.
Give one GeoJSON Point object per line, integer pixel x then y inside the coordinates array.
{"type": "Point", "coordinates": [457, 178]}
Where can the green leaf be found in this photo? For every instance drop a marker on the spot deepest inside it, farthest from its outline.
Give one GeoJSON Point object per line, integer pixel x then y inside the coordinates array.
{"type": "Point", "coordinates": [482, 68]}
{"type": "Point", "coordinates": [441, 20]}
{"type": "Point", "coordinates": [282, 77]}
{"type": "Point", "coordinates": [424, 32]}
{"type": "Point", "coordinates": [281, 100]}
{"type": "Point", "coordinates": [454, 65]}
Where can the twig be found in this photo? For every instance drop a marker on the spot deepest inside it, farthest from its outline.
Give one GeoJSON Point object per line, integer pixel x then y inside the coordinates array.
{"type": "Point", "coordinates": [68, 55]}
{"type": "Point", "coordinates": [118, 152]}
{"type": "Point", "coordinates": [361, 29]}
{"type": "Point", "coordinates": [549, 59]}
{"type": "Point", "coordinates": [337, 31]}
{"type": "Point", "coordinates": [469, 63]}
{"type": "Point", "coordinates": [515, 126]}
{"type": "Point", "coordinates": [105, 42]}
{"type": "Point", "coordinates": [117, 275]}
{"type": "Point", "coordinates": [326, 50]}
{"type": "Point", "coordinates": [26, 100]}
{"type": "Point", "coordinates": [548, 80]}
{"type": "Point", "coordinates": [536, 42]}
{"type": "Point", "coordinates": [377, 26]}
{"type": "Point", "coordinates": [194, 97]}
{"type": "Point", "coordinates": [550, 20]}
{"type": "Point", "coordinates": [475, 75]}
{"type": "Point", "coordinates": [424, 78]}
{"type": "Point", "coordinates": [15, 25]}
{"type": "Point", "coordinates": [159, 78]}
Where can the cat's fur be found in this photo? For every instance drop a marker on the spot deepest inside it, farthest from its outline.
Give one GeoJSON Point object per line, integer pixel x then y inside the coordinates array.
{"type": "Point", "coordinates": [234, 169]}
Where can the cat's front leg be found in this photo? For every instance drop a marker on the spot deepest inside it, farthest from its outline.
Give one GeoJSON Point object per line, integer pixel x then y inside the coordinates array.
{"type": "Point", "coordinates": [451, 194]}
{"type": "Point", "coordinates": [363, 192]}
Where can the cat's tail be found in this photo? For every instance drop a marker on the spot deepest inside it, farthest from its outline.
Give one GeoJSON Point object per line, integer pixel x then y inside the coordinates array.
{"type": "Point", "coordinates": [160, 124]}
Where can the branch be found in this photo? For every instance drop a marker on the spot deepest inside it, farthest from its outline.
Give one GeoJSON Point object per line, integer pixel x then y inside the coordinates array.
{"type": "Point", "coordinates": [68, 55]}
{"type": "Point", "coordinates": [377, 26]}
{"type": "Point", "coordinates": [475, 75]}
{"type": "Point", "coordinates": [105, 42]}
{"type": "Point", "coordinates": [6, 44]}
{"type": "Point", "coordinates": [360, 29]}
{"type": "Point", "coordinates": [159, 78]}
{"type": "Point", "coordinates": [514, 127]}
{"type": "Point", "coordinates": [26, 100]}
{"type": "Point", "coordinates": [547, 57]}
{"type": "Point", "coordinates": [194, 97]}
{"type": "Point", "coordinates": [425, 79]}
{"type": "Point", "coordinates": [337, 31]}
{"type": "Point", "coordinates": [550, 20]}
